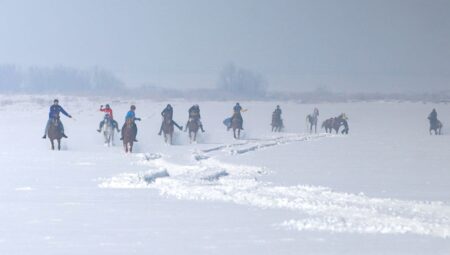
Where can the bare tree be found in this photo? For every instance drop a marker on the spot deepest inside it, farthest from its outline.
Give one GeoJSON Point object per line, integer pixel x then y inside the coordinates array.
{"type": "Point", "coordinates": [241, 82]}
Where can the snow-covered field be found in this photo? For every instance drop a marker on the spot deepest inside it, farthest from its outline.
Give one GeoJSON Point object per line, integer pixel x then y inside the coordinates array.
{"type": "Point", "coordinates": [383, 189]}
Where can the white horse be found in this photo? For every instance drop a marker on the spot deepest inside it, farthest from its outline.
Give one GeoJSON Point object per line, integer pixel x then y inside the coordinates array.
{"type": "Point", "coordinates": [108, 132]}
{"type": "Point", "coordinates": [312, 119]}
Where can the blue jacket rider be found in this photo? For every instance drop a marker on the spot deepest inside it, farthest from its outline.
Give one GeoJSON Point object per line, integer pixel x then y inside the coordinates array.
{"type": "Point", "coordinates": [131, 116]}
{"type": "Point", "coordinates": [55, 109]}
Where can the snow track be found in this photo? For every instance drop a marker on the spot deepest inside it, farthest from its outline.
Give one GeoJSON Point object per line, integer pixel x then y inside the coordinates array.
{"type": "Point", "coordinates": [315, 208]}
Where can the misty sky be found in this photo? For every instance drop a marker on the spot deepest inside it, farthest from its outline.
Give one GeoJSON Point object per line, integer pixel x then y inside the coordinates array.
{"type": "Point", "coordinates": [345, 45]}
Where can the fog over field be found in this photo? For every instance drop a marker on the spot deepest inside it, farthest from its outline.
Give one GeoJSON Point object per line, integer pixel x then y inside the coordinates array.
{"type": "Point", "coordinates": [358, 90]}
{"type": "Point", "coordinates": [346, 46]}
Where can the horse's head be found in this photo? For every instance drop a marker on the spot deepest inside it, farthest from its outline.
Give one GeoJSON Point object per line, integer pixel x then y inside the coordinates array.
{"type": "Point", "coordinates": [128, 122]}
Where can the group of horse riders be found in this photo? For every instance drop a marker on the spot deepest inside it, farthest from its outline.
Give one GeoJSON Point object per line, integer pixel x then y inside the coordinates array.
{"type": "Point", "coordinates": [167, 114]}
{"type": "Point", "coordinates": [194, 116]}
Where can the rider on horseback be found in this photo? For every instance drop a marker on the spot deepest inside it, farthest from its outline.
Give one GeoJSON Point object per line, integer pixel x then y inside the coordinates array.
{"type": "Point", "coordinates": [131, 116]}
{"type": "Point", "coordinates": [108, 117]}
{"type": "Point", "coordinates": [55, 109]}
{"type": "Point", "coordinates": [237, 109]}
{"type": "Point", "coordinates": [433, 116]}
{"type": "Point", "coordinates": [194, 115]}
{"type": "Point", "coordinates": [277, 113]}
{"type": "Point", "coordinates": [167, 113]}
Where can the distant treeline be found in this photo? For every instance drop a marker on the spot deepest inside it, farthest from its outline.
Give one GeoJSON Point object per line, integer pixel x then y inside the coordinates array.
{"type": "Point", "coordinates": [58, 80]}
{"type": "Point", "coordinates": [234, 83]}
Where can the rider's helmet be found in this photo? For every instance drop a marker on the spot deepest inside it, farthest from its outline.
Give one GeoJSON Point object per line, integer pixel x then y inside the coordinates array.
{"type": "Point", "coordinates": [133, 107]}
{"type": "Point", "coordinates": [278, 107]}
{"type": "Point", "coordinates": [237, 103]}
{"type": "Point", "coordinates": [107, 106]}
{"type": "Point", "coordinates": [196, 106]}
{"type": "Point", "coordinates": [56, 101]}
{"type": "Point", "coordinates": [169, 106]}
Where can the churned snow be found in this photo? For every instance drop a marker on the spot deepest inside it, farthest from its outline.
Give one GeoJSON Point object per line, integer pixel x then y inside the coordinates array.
{"type": "Point", "coordinates": [383, 189]}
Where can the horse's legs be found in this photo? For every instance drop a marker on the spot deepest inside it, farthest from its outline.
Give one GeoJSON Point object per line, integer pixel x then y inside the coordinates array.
{"type": "Point", "coordinates": [53, 144]}
{"type": "Point", "coordinates": [59, 144]}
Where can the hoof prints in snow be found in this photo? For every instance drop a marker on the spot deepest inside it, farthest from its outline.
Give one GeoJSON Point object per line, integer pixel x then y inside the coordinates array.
{"type": "Point", "coordinates": [318, 208]}
{"type": "Point", "coordinates": [257, 144]}
{"type": "Point", "coordinates": [215, 176]}
{"type": "Point", "coordinates": [136, 180]}
{"type": "Point", "coordinates": [151, 177]}
{"type": "Point", "coordinates": [200, 157]}
{"type": "Point", "coordinates": [149, 156]}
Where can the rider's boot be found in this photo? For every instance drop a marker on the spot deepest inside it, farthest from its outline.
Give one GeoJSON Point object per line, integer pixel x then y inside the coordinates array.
{"type": "Point", "coordinates": [201, 128]}
{"type": "Point", "coordinates": [64, 135]}
{"type": "Point", "coordinates": [98, 130]}
{"type": "Point", "coordinates": [44, 137]}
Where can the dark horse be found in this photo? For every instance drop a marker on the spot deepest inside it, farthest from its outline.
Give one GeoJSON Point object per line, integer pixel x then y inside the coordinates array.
{"type": "Point", "coordinates": [193, 127]}
{"type": "Point", "coordinates": [312, 119]}
{"type": "Point", "coordinates": [128, 136]}
{"type": "Point", "coordinates": [236, 124]}
{"type": "Point", "coordinates": [435, 126]}
{"type": "Point", "coordinates": [54, 133]}
{"type": "Point", "coordinates": [167, 129]}
{"type": "Point", "coordinates": [336, 123]}
{"type": "Point", "coordinates": [277, 123]}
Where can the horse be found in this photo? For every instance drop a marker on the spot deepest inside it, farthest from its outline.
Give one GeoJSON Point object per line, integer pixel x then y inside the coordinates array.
{"type": "Point", "coordinates": [236, 124]}
{"type": "Point", "coordinates": [435, 126]}
{"type": "Point", "coordinates": [54, 133]}
{"type": "Point", "coordinates": [277, 123]}
{"type": "Point", "coordinates": [193, 127]}
{"type": "Point", "coordinates": [335, 123]}
{"type": "Point", "coordinates": [168, 130]}
{"type": "Point", "coordinates": [312, 119]}
{"type": "Point", "coordinates": [128, 136]}
{"type": "Point", "coordinates": [108, 132]}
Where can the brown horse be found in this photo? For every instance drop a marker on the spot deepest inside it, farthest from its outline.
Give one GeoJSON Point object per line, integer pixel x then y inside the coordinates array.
{"type": "Point", "coordinates": [54, 133]}
{"type": "Point", "coordinates": [277, 123]}
{"type": "Point", "coordinates": [193, 127]}
{"type": "Point", "coordinates": [334, 123]}
{"type": "Point", "coordinates": [436, 126]}
{"type": "Point", "coordinates": [236, 124]}
{"type": "Point", "coordinates": [128, 136]}
{"type": "Point", "coordinates": [168, 130]}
